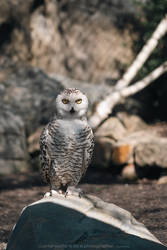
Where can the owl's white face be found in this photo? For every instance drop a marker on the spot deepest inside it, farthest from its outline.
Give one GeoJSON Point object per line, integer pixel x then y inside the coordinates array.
{"type": "Point", "coordinates": [71, 104]}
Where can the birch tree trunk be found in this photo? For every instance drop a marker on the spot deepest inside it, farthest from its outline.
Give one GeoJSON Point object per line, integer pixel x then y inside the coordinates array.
{"type": "Point", "coordinates": [143, 55]}
{"type": "Point", "coordinates": [136, 87]}
{"type": "Point", "coordinates": [104, 108]}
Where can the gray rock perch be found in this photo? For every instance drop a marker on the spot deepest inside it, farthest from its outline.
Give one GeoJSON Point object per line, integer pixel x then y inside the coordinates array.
{"type": "Point", "coordinates": [79, 223]}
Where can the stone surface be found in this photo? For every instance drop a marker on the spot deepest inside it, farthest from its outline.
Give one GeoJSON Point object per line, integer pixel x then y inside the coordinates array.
{"type": "Point", "coordinates": [121, 153]}
{"type": "Point", "coordinates": [103, 149]}
{"type": "Point", "coordinates": [131, 122]}
{"type": "Point", "coordinates": [144, 149]}
{"type": "Point", "coordinates": [13, 149]}
{"type": "Point", "coordinates": [139, 144]}
{"type": "Point", "coordinates": [31, 94]}
{"type": "Point", "coordinates": [129, 172]}
{"type": "Point", "coordinates": [21, 9]}
{"type": "Point", "coordinates": [112, 128]}
{"type": "Point", "coordinates": [8, 166]}
{"type": "Point", "coordinates": [162, 180]}
{"type": "Point", "coordinates": [50, 27]}
{"type": "Point", "coordinates": [72, 222]}
{"type": "Point", "coordinates": [33, 140]}
{"type": "Point", "coordinates": [27, 100]}
{"type": "Point", "coordinates": [151, 153]}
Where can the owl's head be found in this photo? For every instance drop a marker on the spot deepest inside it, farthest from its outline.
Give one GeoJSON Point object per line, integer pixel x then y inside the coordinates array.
{"type": "Point", "coordinates": [71, 104]}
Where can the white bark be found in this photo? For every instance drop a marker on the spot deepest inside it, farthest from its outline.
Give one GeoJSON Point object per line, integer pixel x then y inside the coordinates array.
{"type": "Point", "coordinates": [143, 55]}
{"type": "Point", "coordinates": [144, 82]}
{"type": "Point", "coordinates": [104, 108]}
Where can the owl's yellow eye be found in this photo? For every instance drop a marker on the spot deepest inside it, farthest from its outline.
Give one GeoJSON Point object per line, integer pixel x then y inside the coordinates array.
{"type": "Point", "coordinates": [65, 101]}
{"type": "Point", "coordinates": [78, 101]}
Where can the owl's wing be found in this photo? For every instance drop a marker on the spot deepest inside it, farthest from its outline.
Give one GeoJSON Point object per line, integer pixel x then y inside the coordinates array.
{"type": "Point", "coordinates": [88, 152]}
{"type": "Point", "coordinates": [44, 156]}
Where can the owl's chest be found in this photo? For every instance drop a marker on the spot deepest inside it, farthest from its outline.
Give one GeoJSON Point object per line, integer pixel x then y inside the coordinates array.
{"type": "Point", "coordinates": [71, 130]}
{"type": "Point", "coordinates": [68, 141]}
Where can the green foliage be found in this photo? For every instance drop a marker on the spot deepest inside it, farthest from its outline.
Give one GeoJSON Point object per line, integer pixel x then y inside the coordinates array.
{"type": "Point", "coordinates": [152, 13]}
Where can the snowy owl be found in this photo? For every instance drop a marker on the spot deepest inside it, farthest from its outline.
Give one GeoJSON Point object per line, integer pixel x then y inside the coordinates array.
{"type": "Point", "coordinates": [66, 143]}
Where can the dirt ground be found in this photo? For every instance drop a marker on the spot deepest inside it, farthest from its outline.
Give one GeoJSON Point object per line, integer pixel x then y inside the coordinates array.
{"type": "Point", "coordinates": [145, 199]}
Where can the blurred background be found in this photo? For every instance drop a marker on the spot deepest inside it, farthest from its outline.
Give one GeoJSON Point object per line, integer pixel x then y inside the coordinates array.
{"type": "Point", "coordinates": [48, 45]}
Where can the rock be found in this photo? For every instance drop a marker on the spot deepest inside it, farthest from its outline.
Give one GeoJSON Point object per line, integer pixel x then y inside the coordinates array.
{"type": "Point", "coordinates": [13, 149]}
{"type": "Point", "coordinates": [116, 145]}
{"type": "Point", "coordinates": [102, 154]}
{"type": "Point", "coordinates": [112, 128]}
{"type": "Point", "coordinates": [132, 123]}
{"type": "Point", "coordinates": [33, 140]}
{"type": "Point", "coordinates": [123, 150]}
{"type": "Point", "coordinates": [32, 95]}
{"type": "Point", "coordinates": [34, 148]}
{"type": "Point", "coordinates": [129, 172]}
{"type": "Point", "coordinates": [57, 24]}
{"type": "Point", "coordinates": [151, 153]}
{"type": "Point", "coordinates": [8, 166]}
{"type": "Point", "coordinates": [19, 9]}
{"type": "Point", "coordinates": [50, 27]}
{"type": "Point", "coordinates": [121, 153]}
{"type": "Point", "coordinates": [88, 222]}
{"type": "Point", "coordinates": [162, 180]}
{"type": "Point", "coordinates": [145, 149]}
{"type": "Point", "coordinates": [27, 99]}
{"type": "Point", "coordinates": [16, 41]}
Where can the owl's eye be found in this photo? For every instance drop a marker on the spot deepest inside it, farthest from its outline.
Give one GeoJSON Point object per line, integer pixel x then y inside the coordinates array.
{"type": "Point", "coordinates": [65, 101]}
{"type": "Point", "coordinates": [78, 101]}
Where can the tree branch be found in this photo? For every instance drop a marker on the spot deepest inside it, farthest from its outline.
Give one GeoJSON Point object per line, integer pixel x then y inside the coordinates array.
{"type": "Point", "coordinates": [104, 108]}
{"type": "Point", "coordinates": [143, 55]}
{"type": "Point", "coordinates": [145, 81]}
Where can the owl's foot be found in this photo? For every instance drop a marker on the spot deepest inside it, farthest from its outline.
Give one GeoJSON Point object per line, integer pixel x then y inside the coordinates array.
{"type": "Point", "coordinates": [55, 192]}
{"type": "Point", "coordinates": [51, 193]}
{"type": "Point", "coordinates": [74, 191]}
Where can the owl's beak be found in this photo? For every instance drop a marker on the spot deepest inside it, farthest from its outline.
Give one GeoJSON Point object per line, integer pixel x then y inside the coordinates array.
{"type": "Point", "coordinates": [72, 111]}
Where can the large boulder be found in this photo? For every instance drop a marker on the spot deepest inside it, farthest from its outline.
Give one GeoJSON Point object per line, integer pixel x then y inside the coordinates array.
{"type": "Point", "coordinates": [81, 223]}
{"type": "Point", "coordinates": [103, 149]}
{"type": "Point", "coordinates": [27, 99]}
{"type": "Point", "coordinates": [146, 150]}
{"type": "Point", "coordinates": [112, 128]}
{"type": "Point", "coordinates": [13, 151]}
{"type": "Point", "coordinates": [131, 122]}
{"type": "Point", "coordinates": [49, 27]}
{"type": "Point", "coordinates": [123, 151]}
{"type": "Point", "coordinates": [31, 94]}
{"type": "Point", "coordinates": [151, 153]}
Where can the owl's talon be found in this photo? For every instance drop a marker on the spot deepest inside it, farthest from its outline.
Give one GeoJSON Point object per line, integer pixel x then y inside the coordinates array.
{"type": "Point", "coordinates": [75, 191]}
{"type": "Point", "coordinates": [55, 192]}
{"type": "Point", "coordinates": [47, 194]}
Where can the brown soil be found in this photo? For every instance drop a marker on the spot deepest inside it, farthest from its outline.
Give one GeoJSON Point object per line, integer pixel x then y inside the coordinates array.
{"type": "Point", "coordinates": [145, 199]}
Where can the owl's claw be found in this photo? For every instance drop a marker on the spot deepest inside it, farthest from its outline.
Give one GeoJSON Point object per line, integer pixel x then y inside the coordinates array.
{"type": "Point", "coordinates": [74, 191]}
{"type": "Point", "coordinates": [55, 192]}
